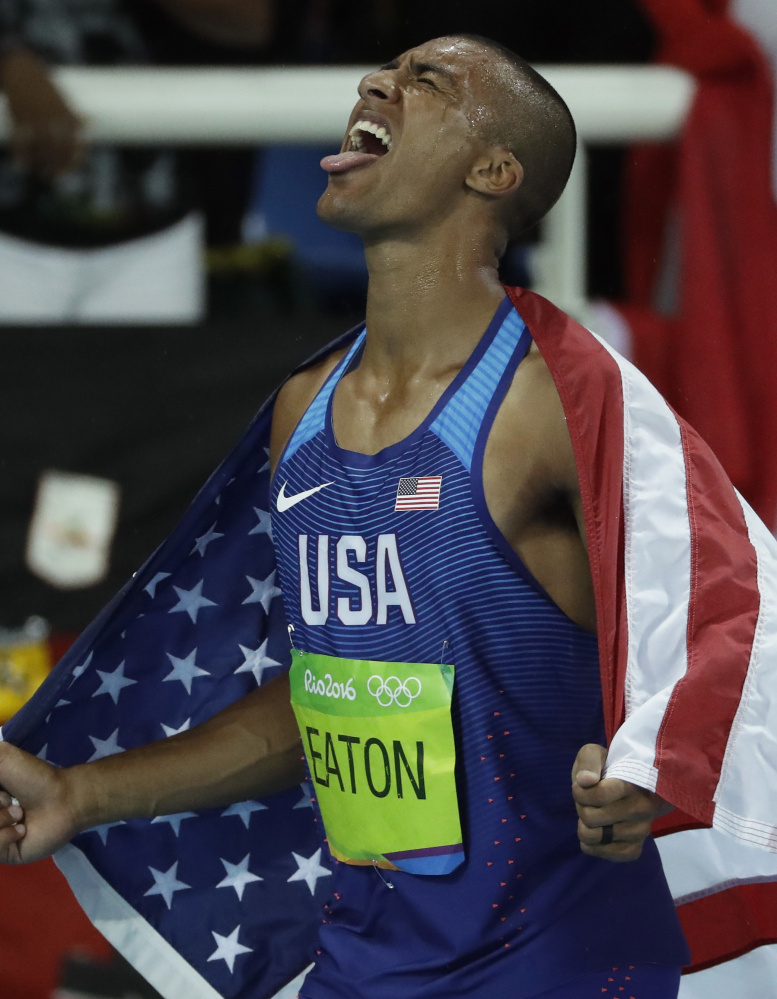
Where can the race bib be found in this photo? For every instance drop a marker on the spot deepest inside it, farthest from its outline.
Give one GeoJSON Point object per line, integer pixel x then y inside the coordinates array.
{"type": "Point", "coordinates": [378, 739]}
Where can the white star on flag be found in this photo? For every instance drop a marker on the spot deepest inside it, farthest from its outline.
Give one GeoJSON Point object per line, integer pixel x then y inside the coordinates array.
{"type": "Point", "coordinates": [113, 683]}
{"type": "Point", "coordinates": [238, 876]}
{"type": "Point", "coordinates": [201, 543]}
{"type": "Point", "coordinates": [176, 731]}
{"type": "Point", "coordinates": [263, 591]}
{"type": "Point", "coordinates": [102, 831]}
{"type": "Point", "coordinates": [80, 669]}
{"type": "Point", "coordinates": [175, 820]}
{"type": "Point", "coordinates": [105, 747]}
{"type": "Point", "coordinates": [184, 670]}
{"type": "Point", "coordinates": [265, 524]}
{"type": "Point", "coordinates": [191, 601]}
{"type": "Point", "coordinates": [41, 754]}
{"type": "Point", "coordinates": [150, 588]}
{"type": "Point", "coordinates": [228, 948]}
{"type": "Point", "coordinates": [166, 884]}
{"type": "Point", "coordinates": [307, 794]}
{"type": "Point", "coordinates": [244, 809]}
{"type": "Point", "coordinates": [256, 661]}
{"type": "Point", "coordinates": [309, 870]}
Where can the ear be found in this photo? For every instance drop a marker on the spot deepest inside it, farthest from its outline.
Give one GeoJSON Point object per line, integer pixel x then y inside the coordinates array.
{"type": "Point", "coordinates": [497, 174]}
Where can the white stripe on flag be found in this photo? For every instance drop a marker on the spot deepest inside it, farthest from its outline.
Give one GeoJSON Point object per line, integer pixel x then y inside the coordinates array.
{"type": "Point", "coordinates": [134, 938]}
{"type": "Point", "coordinates": [657, 571]}
{"type": "Point", "coordinates": [751, 976]}
{"type": "Point", "coordinates": [747, 776]}
{"type": "Point", "coordinates": [290, 991]}
{"type": "Point", "coordinates": [696, 860]}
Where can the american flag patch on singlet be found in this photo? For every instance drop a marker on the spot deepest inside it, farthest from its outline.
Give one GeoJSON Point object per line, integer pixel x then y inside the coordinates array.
{"type": "Point", "coordinates": [419, 493]}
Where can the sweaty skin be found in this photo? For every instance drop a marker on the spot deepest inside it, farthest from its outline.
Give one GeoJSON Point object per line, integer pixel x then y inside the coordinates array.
{"type": "Point", "coordinates": [432, 212]}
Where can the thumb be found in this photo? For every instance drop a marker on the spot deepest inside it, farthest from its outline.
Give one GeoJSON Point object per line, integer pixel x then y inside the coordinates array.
{"type": "Point", "coordinates": [588, 765]}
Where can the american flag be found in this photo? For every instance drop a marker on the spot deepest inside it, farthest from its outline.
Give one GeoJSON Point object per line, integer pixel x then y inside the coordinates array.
{"type": "Point", "coordinates": [223, 903]}
{"type": "Point", "coordinates": [226, 904]}
{"type": "Point", "coordinates": [685, 580]}
{"type": "Point", "coordinates": [419, 493]}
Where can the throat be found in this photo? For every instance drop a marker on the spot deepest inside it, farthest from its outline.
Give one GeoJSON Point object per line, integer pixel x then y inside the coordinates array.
{"type": "Point", "coordinates": [370, 415]}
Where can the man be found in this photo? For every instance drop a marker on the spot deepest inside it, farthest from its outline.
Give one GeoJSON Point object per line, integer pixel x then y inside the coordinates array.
{"type": "Point", "coordinates": [428, 524]}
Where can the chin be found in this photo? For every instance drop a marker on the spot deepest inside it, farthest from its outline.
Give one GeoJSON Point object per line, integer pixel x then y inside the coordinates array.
{"type": "Point", "coordinates": [338, 210]}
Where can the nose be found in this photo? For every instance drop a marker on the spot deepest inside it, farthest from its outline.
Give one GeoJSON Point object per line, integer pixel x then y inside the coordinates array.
{"type": "Point", "coordinates": [379, 85]}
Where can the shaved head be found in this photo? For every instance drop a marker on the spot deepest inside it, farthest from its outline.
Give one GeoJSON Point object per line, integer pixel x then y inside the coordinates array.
{"type": "Point", "coordinates": [526, 116]}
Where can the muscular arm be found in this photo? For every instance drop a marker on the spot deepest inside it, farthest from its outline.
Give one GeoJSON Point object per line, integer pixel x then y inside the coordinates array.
{"type": "Point", "coordinates": [534, 497]}
{"type": "Point", "coordinates": [531, 487]}
{"type": "Point", "coordinates": [250, 749]}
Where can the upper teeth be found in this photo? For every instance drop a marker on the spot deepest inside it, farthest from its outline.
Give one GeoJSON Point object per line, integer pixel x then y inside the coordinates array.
{"type": "Point", "coordinates": [379, 131]}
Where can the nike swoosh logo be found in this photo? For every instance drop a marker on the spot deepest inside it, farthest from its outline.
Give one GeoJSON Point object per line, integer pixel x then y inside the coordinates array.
{"type": "Point", "coordinates": [284, 502]}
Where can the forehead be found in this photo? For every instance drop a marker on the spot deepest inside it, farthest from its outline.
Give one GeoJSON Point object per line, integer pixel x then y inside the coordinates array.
{"type": "Point", "coordinates": [463, 59]}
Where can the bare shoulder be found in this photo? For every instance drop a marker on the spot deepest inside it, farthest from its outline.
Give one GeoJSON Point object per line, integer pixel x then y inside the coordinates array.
{"type": "Point", "coordinates": [295, 397]}
{"type": "Point", "coordinates": [532, 492]}
{"type": "Point", "coordinates": [532, 420]}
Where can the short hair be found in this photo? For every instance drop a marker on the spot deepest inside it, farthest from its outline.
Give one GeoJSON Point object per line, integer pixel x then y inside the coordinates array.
{"type": "Point", "coordinates": [530, 119]}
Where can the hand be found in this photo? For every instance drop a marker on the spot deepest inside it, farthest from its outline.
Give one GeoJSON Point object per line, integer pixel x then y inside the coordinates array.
{"type": "Point", "coordinates": [46, 136]}
{"type": "Point", "coordinates": [611, 802]}
{"type": "Point", "coordinates": [42, 822]}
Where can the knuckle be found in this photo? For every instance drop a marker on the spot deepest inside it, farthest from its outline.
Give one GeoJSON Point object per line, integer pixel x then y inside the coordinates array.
{"type": "Point", "coordinates": [628, 852]}
{"type": "Point", "coordinates": [591, 816]}
{"type": "Point", "coordinates": [591, 837]}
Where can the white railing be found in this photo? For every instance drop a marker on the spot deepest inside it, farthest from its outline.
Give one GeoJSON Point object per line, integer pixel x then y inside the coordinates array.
{"type": "Point", "coordinates": [610, 104]}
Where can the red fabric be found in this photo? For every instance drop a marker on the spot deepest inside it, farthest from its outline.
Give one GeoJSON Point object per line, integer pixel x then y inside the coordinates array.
{"type": "Point", "coordinates": [40, 924]}
{"type": "Point", "coordinates": [589, 385]}
{"type": "Point", "coordinates": [40, 921]}
{"type": "Point", "coordinates": [722, 926]}
{"type": "Point", "coordinates": [697, 35]}
{"type": "Point", "coordinates": [722, 617]}
{"type": "Point", "coordinates": [722, 621]}
{"type": "Point", "coordinates": [716, 360]}
{"type": "Point", "coordinates": [729, 923]}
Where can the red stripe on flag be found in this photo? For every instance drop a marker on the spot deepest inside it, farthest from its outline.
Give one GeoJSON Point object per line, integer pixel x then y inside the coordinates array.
{"type": "Point", "coordinates": [722, 617]}
{"type": "Point", "coordinates": [676, 821]}
{"type": "Point", "coordinates": [728, 924]}
{"type": "Point", "coordinates": [588, 381]}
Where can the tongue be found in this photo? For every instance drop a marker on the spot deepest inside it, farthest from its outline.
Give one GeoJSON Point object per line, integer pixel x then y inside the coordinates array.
{"type": "Point", "coordinates": [340, 162]}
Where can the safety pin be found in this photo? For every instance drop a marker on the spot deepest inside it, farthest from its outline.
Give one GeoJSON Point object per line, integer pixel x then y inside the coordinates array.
{"type": "Point", "coordinates": [375, 867]}
{"type": "Point", "coordinates": [445, 645]}
{"type": "Point", "coordinates": [290, 629]}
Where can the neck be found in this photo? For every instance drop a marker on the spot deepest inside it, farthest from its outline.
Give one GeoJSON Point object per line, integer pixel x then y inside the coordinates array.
{"type": "Point", "coordinates": [429, 301]}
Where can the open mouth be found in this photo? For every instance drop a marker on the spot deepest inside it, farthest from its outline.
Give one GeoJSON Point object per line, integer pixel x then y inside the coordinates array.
{"type": "Point", "coordinates": [369, 137]}
{"type": "Point", "coordinates": [367, 141]}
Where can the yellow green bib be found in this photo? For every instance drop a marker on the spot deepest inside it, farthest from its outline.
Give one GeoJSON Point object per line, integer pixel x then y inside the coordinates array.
{"type": "Point", "coordinates": [379, 744]}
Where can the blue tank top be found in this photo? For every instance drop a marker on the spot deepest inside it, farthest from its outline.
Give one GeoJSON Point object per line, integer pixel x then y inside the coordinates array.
{"type": "Point", "coordinates": [423, 575]}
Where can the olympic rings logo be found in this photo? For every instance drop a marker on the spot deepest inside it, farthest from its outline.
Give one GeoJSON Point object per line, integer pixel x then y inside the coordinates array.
{"type": "Point", "coordinates": [392, 690]}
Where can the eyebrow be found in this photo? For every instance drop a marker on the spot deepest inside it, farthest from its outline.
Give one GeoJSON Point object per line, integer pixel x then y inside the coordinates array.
{"type": "Point", "coordinates": [421, 67]}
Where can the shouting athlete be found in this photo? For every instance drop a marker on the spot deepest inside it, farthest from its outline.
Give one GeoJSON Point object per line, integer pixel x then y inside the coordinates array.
{"type": "Point", "coordinates": [428, 526]}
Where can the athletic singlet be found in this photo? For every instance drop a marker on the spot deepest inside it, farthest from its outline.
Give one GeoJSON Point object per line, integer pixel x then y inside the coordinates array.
{"type": "Point", "coordinates": [425, 576]}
